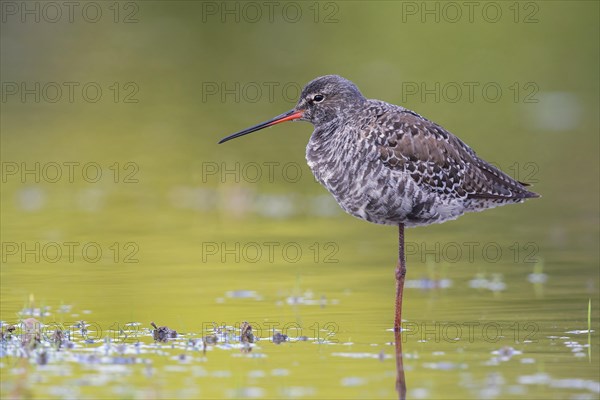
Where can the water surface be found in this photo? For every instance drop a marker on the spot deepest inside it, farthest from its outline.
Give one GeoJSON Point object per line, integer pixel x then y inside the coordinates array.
{"type": "Point", "coordinates": [194, 236]}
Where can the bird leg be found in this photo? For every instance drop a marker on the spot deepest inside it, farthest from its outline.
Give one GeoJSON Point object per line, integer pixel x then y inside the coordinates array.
{"type": "Point", "coordinates": [400, 273]}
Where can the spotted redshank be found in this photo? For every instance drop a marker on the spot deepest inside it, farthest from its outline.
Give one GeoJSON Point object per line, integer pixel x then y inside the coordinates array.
{"type": "Point", "coordinates": [389, 165]}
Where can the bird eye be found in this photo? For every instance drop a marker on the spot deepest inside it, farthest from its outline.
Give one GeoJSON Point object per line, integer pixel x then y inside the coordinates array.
{"type": "Point", "coordinates": [318, 98]}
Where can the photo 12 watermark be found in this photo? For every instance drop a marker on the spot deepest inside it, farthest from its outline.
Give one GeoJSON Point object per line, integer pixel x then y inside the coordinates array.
{"type": "Point", "coordinates": [250, 92]}
{"type": "Point", "coordinates": [70, 252]}
{"type": "Point", "coordinates": [53, 12]}
{"type": "Point", "coordinates": [251, 172]}
{"type": "Point", "coordinates": [270, 252]}
{"type": "Point", "coordinates": [522, 171]}
{"type": "Point", "coordinates": [276, 331]}
{"type": "Point", "coordinates": [252, 12]}
{"type": "Point", "coordinates": [470, 331]}
{"type": "Point", "coordinates": [454, 252]}
{"type": "Point", "coordinates": [471, 12]}
{"type": "Point", "coordinates": [69, 172]}
{"type": "Point", "coordinates": [89, 92]}
{"type": "Point", "coordinates": [469, 92]}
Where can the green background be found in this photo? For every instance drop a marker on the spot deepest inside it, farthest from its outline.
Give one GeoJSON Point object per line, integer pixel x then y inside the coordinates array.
{"type": "Point", "coordinates": [176, 76]}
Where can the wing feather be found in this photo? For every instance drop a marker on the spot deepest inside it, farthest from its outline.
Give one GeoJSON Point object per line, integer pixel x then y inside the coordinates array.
{"type": "Point", "coordinates": [434, 158]}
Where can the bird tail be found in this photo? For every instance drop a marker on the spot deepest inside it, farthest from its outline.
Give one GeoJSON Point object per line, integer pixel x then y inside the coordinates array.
{"type": "Point", "coordinates": [504, 186]}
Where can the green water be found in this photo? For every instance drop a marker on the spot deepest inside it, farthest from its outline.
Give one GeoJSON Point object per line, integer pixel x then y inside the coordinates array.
{"type": "Point", "coordinates": [193, 234]}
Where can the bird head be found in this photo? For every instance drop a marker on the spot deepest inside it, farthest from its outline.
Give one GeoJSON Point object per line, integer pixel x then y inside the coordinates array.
{"type": "Point", "coordinates": [323, 101]}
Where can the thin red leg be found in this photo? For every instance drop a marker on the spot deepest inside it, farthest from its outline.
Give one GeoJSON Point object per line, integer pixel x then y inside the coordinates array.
{"type": "Point", "coordinates": [400, 274]}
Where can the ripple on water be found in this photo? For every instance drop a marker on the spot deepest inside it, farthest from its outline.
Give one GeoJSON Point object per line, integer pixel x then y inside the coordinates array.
{"type": "Point", "coordinates": [353, 381]}
{"type": "Point", "coordinates": [572, 383]}
{"type": "Point", "coordinates": [250, 392]}
{"type": "Point", "coordinates": [362, 355]}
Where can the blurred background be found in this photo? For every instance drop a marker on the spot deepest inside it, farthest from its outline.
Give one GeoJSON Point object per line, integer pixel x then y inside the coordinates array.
{"type": "Point", "coordinates": [118, 206]}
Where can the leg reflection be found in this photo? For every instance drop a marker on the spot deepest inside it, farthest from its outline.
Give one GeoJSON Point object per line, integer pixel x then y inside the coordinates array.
{"type": "Point", "coordinates": [400, 380]}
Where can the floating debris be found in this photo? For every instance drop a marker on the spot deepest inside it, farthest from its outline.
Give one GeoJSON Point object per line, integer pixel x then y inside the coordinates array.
{"type": "Point", "coordinates": [42, 358]}
{"type": "Point", "coordinates": [495, 284]}
{"type": "Point", "coordinates": [82, 328]}
{"type": "Point", "coordinates": [162, 333]}
{"type": "Point", "coordinates": [246, 335]}
{"type": "Point", "coordinates": [246, 348]}
{"type": "Point", "coordinates": [279, 338]}
{"type": "Point", "coordinates": [33, 311]}
{"type": "Point", "coordinates": [243, 294]}
{"type": "Point", "coordinates": [376, 356]}
{"type": "Point", "coordinates": [506, 353]}
{"type": "Point", "coordinates": [580, 332]}
{"type": "Point", "coordinates": [211, 339]}
{"type": "Point", "coordinates": [32, 335]}
{"type": "Point", "coordinates": [428, 284]}
{"type": "Point", "coordinates": [7, 335]}
{"type": "Point", "coordinates": [58, 337]}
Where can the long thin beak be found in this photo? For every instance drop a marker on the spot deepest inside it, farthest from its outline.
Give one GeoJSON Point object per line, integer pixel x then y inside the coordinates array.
{"type": "Point", "coordinates": [288, 116]}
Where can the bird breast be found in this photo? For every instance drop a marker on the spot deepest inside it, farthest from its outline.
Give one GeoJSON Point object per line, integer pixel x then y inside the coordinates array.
{"type": "Point", "coordinates": [350, 167]}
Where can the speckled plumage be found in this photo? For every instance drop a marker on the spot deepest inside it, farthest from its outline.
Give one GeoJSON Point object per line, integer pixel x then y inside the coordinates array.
{"type": "Point", "coordinates": [388, 165]}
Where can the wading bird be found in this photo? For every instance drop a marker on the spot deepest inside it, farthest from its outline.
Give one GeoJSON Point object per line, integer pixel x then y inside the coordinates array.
{"type": "Point", "coordinates": [389, 165]}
